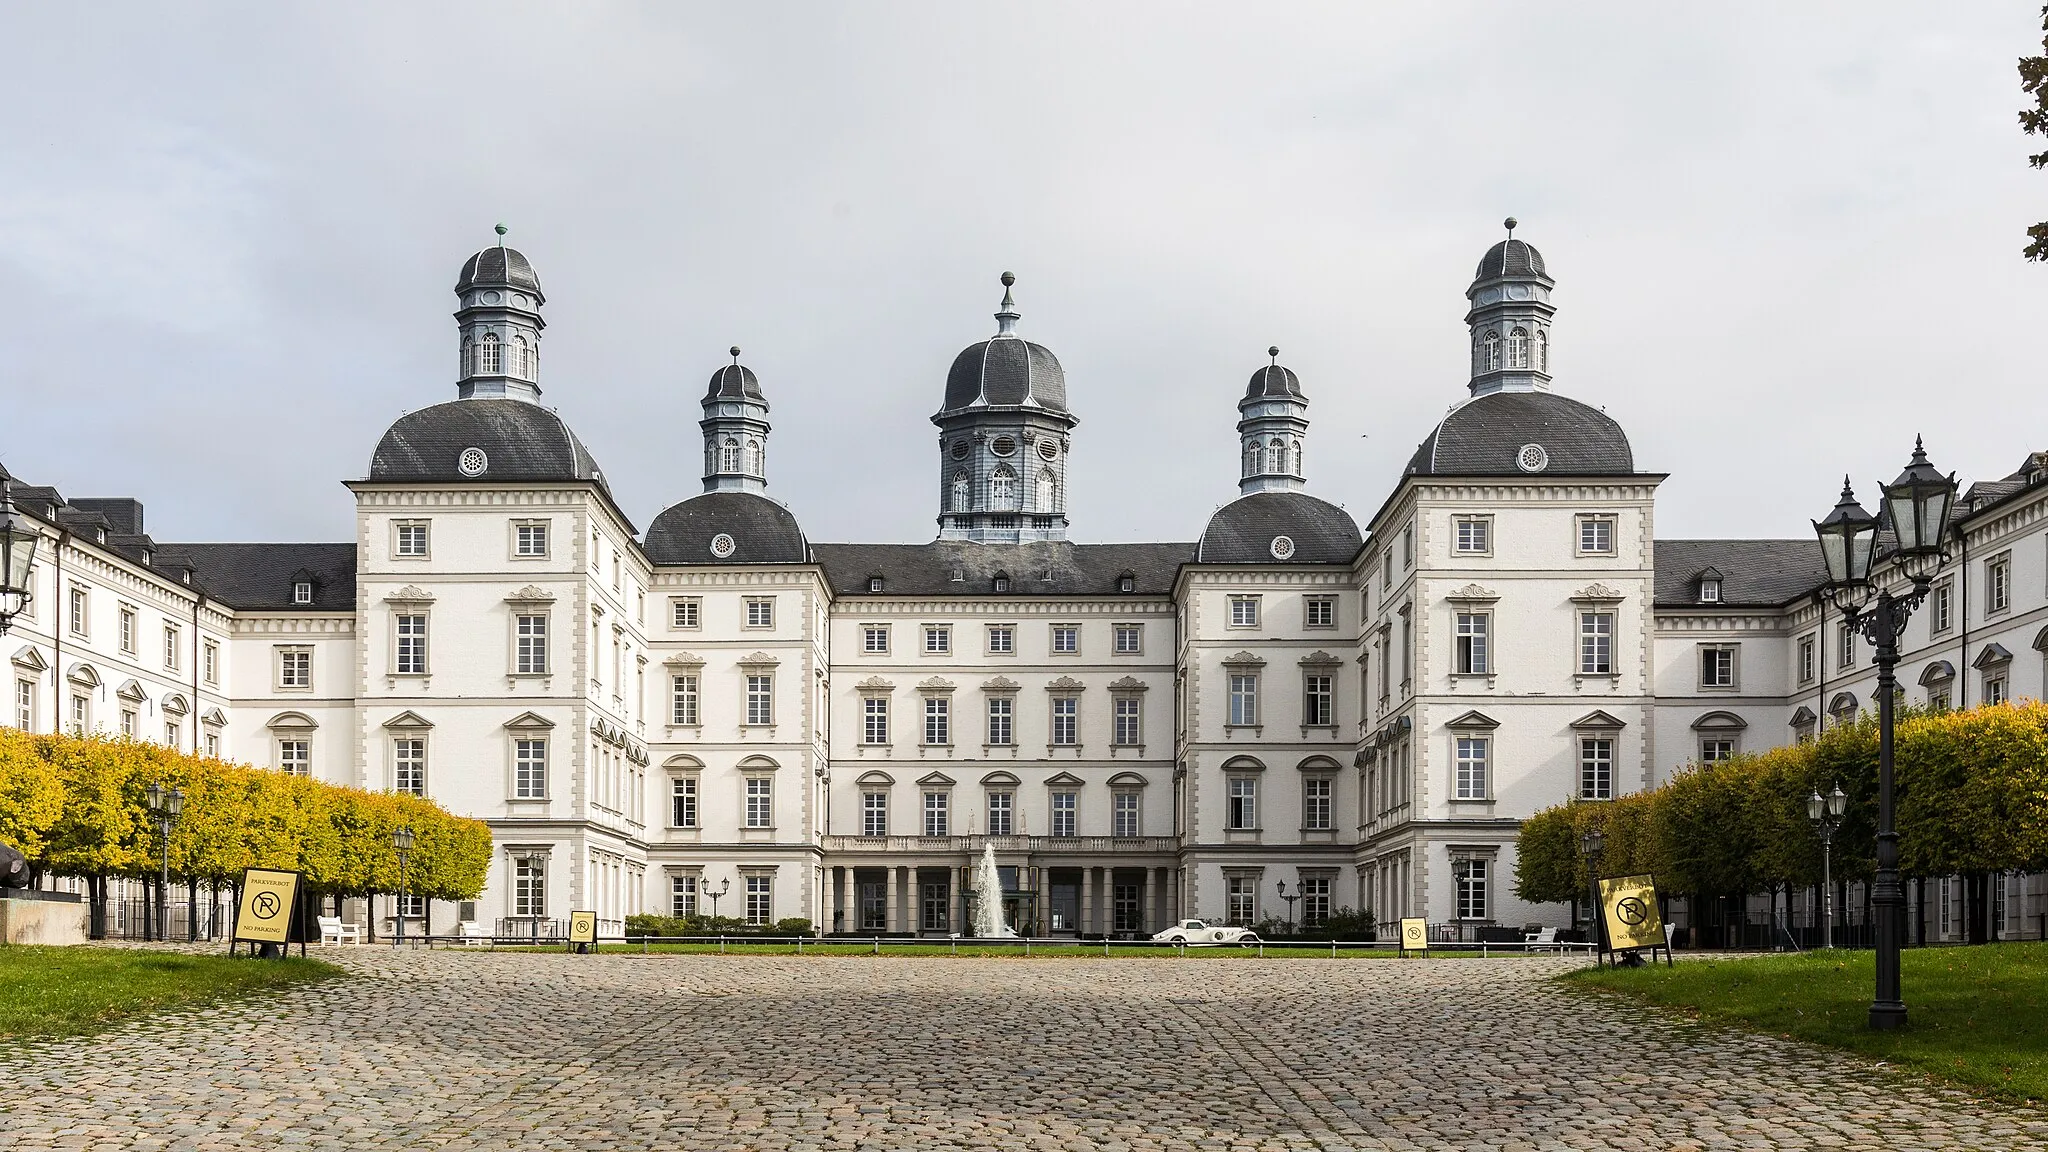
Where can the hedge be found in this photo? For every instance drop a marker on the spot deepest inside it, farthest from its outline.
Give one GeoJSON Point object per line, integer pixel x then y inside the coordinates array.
{"type": "Point", "coordinates": [76, 806]}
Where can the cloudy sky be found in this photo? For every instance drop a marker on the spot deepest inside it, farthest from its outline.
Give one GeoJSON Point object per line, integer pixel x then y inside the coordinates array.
{"type": "Point", "coordinates": [1786, 239]}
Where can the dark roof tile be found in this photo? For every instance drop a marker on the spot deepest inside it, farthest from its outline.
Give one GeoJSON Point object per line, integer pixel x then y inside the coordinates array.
{"type": "Point", "coordinates": [1754, 573]}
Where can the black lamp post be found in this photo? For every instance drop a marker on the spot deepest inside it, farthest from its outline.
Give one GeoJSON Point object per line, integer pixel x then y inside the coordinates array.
{"type": "Point", "coordinates": [1917, 507]}
{"type": "Point", "coordinates": [1592, 846]}
{"type": "Point", "coordinates": [1826, 814]}
{"type": "Point", "coordinates": [164, 808]}
{"type": "Point", "coordinates": [1281, 886]}
{"type": "Point", "coordinates": [723, 887]}
{"type": "Point", "coordinates": [18, 540]}
{"type": "Point", "coordinates": [402, 840]}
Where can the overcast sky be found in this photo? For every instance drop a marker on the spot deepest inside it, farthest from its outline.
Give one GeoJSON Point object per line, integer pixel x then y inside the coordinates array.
{"type": "Point", "coordinates": [1785, 237]}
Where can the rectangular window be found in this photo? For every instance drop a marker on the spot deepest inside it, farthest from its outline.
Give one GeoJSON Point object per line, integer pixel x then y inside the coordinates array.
{"type": "Point", "coordinates": [938, 640]}
{"type": "Point", "coordinates": [874, 813]}
{"type": "Point", "coordinates": [1065, 720]}
{"type": "Point", "coordinates": [1938, 701]}
{"type": "Point", "coordinates": [874, 719]}
{"type": "Point", "coordinates": [1845, 647]}
{"type": "Point", "coordinates": [1806, 660]}
{"type": "Point", "coordinates": [1715, 749]}
{"type": "Point", "coordinates": [760, 802]}
{"type": "Point", "coordinates": [1474, 648]}
{"type": "Point", "coordinates": [213, 745]}
{"type": "Point", "coordinates": [1596, 643]}
{"type": "Point", "coordinates": [682, 809]}
{"type": "Point", "coordinates": [1315, 803]}
{"type": "Point", "coordinates": [1241, 812]}
{"type": "Point", "coordinates": [1596, 768]}
{"type": "Point", "coordinates": [171, 647]}
{"type": "Point", "coordinates": [1130, 639]}
{"type": "Point", "coordinates": [1717, 666]}
{"type": "Point", "coordinates": [1596, 535]}
{"type": "Point", "coordinates": [1387, 571]}
{"type": "Point", "coordinates": [1315, 900]}
{"type": "Point", "coordinates": [1000, 709]}
{"type": "Point", "coordinates": [935, 804]}
{"type": "Point", "coordinates": [530, 769]}
{"type": "Point", "coordinates": [295, 757]}
{"type": "Point", "coordinates": [1000, 807]}
{"type": "Point", "coordinates": [409, 766]}
{"type": "Point", "coordinates": [294, 668]}
{"type": "Point", "coordinates": [1123, 814]}
{"type": "Point", "coordinates": [1242, 896]}
{"type": "Point", "coordinates": [682, 700]}
{"type": "Point", "coordinates": [1244, 699]}
{"type": "Point", "coordinates": [530, 540]}
{"type": "Point", "coordinates": [1002, 640]}
{"type": "Point", "coordinates": [128, 630]}
{"type": "Point", "coordinates": [81, 714]}
{"type": "Point", "coordinates": [531, 657]}
{"type": "Point", "coordinates": [1066, 639]}
{"type": "Point", "coordinates": [25, 705]}
{"type": "Point", "coordinates": [1319, 612]}
{"type": "Point", "coordinates": [81, 612]}
{"type": "Point", "coordinates": [1941, 606]}
{"type": "Point", "coordinates": [210, 656]}
{"type": "Point", "coordinates": [684, 612]}
{"type": "Point", "coordinates": [1407, 546]}
{"type": "Point", "coordinates": [1063, 811]}
{"type": "Point", "coordinates": [938, 720]}
{"type": "Point", "coordinates": [1129, 727]}
{"type": "Point", "coordinates": [1471, 767]}
{"type": "Point", "coordinates": [682, 896]}
{"type": "Point", "coordinates": [174, 734]}
{"type": "Point", "coordinates": [530, 886]}
{"type": "Point", "coordinates": [1471, 897]}
{"type": "Point", "coordinates": [760, 612]}
{"type": "Point", "coordinates": [1244, 611]}
{"type": "Point", "coordinates": [1998, 584]}
{"type": "Point", "coordinates": [411, 537]}
{"type": "Point", "coordinates": [760, 900]}
{"type": "Point", "coordinates": [128, 722]}
{"type": "Point", "coordinates": [1994, 689]}
{"type": "Point", "coordinates": [760, 699]}
{"type": "Point", "coordinates": [1318, 700]}
{"type": "Point", "coordinates": [874, 638]}
{"type": "Point", "coordinates": [410, 659]}
{"type": "Point", "coordinates": [1472, 535]}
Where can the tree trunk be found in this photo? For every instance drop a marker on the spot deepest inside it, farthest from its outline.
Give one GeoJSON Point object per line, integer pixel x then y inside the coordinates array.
{"type": "Point", "coordinates": [96, 896]}
{"type": "Point", "coordinates": [1979, 889]}
{"type": "Point", "coordinates": [1920, 911]}
{"type": "Point", "coordinates": [370, 917]}
{"type": "Point", "coordinates": [191, 908]}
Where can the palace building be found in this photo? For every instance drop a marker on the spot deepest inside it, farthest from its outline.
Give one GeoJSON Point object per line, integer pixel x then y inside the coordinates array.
{"type": "Point", "coordinates": [717, 714]}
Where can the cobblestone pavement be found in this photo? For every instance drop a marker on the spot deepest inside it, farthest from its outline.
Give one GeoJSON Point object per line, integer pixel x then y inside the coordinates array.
{"type": "Point", "coordinates": [504, 1050]}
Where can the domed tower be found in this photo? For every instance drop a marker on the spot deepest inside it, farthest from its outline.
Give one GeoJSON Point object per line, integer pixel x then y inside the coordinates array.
{"type": "Point", "coordinates": [1003, 440]}
{"type": "Point", "coordinates": [1273, 423]}
{"type": "Point", "coordinates": [735, 430]}
{"type": "Point", "coordinates": [1510, 319]}
{"type": "Point", "coordinates": [500, 324]}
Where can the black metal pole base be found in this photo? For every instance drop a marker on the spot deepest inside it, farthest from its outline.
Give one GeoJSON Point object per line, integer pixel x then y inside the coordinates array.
{"type": "Point", "coordinates": [1887, 1017]}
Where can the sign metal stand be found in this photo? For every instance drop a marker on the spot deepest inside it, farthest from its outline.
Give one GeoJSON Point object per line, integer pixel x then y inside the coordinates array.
{"type": "Point", "coordinates": [268, 911]}
{"type": "Point", "coordinates": [1630, 919]}
{"type": "Point", "coordinates": [1414, 935]}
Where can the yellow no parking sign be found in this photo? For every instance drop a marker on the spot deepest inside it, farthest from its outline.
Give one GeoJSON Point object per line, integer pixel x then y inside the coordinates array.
{"type": "Point", "coordinates": [1629, 904]}
{"type": "Point", "coordinates": [265, 913]}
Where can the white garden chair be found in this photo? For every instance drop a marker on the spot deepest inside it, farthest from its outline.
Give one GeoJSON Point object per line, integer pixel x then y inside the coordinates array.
{"type": "Point", "coordinates": [334, 931]}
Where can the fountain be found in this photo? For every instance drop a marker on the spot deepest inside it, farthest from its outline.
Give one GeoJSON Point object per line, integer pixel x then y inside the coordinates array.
{"type": "Point", "coordinates": [988, 897]}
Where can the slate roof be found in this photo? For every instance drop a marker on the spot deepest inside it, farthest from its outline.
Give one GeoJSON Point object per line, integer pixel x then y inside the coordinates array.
{"type": "Point", "coordinates": [735, 382]}
{"type": "Point", "coordinates": [1754, 573]}
{"type": "Point", "coordinates": [259, 576]}
{"type": "Point", "coordinates": [1483, 436]}
{"type": "Point", "coordinates": [1272, 381]}
{"type": "Point", "coordinates": [959, 568]}
{"type": "Point", "coordinates": [1242, 531]}
{"type": "Point", "coordinates": [499, 265]}
{"type": "Point", "coordinates": [1510, 258]}
{"type": "Point", "coordinates": [522, 441]}
{"type": "Point", "coordinates": [763, 532]}
{"type": "Point", "coordinates": [1006, 370]}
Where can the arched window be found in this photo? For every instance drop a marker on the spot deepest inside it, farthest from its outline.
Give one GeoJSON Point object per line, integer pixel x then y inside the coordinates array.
{"type": "Point", "coordinates": [1518, 349]}
{"type": "Point", "coordinates": [490, 356]}
{"type": "Point", "coordinates": [468, 352]}
{"type": "Point", "coordinates": [710, 456]}
{"type": "Point", "coordinates": [1048, 490]}
{"type": "Point", "coordinates": [519, 367]}
{"type": "Point", "coordinates": [1492, 359]}
{"type": "Point", "coordinates": [753, 458]}
{"type": "Point", "coordinates": [1542, 351]}
{"type": "Point", "coordinates": [729, 455]}
{"type": "Point", "coordinates": [959, 491]}
{"type": "Point", "coordinates": [1251, 457]}
{"type": "Point", "coordinates": [1276, 456]}
{"type": "Point", "coordinates": [1002, 490]}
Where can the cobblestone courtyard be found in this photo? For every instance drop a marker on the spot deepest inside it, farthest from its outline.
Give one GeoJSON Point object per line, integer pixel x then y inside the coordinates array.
{"type": "Point", "coordinates": [477, 1050]}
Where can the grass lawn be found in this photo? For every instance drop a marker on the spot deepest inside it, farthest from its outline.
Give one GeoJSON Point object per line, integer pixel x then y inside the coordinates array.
{"type": "Point", "coordinates": [48, 992]}
{"type": "Point", "coordinates": [1975, 1016]}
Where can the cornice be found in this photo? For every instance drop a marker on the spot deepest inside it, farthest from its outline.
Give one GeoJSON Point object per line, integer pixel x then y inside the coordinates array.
{"type": "Point", "coordinates": [296, 624]}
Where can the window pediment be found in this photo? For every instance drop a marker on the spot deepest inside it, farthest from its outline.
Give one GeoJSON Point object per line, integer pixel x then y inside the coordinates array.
{"type": "Point", "coordinates": [1844, 704]}
{"type": "Point", "coordinates": [132, 692]}
{"type": "Point", "coordinates": [214, 718]}
{"type": "Point", "coordinates": [1599, 718]}
{"type": "Point", "coordinates": [531, 594]}
{"type": "Point", "coordinates": [410, 594]}
{"type": "Point", "coordinates": [2040, 641]}
{"type": "Point", "coordinates": [875, 780]}
{"type": "Point", "coordinates": [1473, 719]}
{"type": "Point", "coordinates": [1803, 717]}
{"type": "Point", "coordinates": [999, 780]}
{"type": "Point", "coordinates": [1719, 722]}
{"type": "Point", "coordinates": [684, 660]}
{"type": "Point", "coordinates": [529, 722]}
{"type": "Point", "coordinates": [408, 719]}
{"type": "Point", "coordinates": [1320, 659]}
{"type": "Point", "coordinates": [30, 659]}
{"type": "Point", "coordinates": [1001, 684]}
{"type": "Point", "coordinates": [758, 764]}
{"type": "Point", "coordinates": [176, 705]}
{"type": "Point", "coordinates": [1244, 660]}
{"type": "Point", "coordinates": [84, 675]}
{"type": "Point", "coordinates": [1993, 655]}
{"type": "Point", "coordinates": [1244, 764]}
{"type": "Point", "coordinates": [1317, 764]}
{"type": "Point", "coordinates": [935, 684]}
{"type": "Point", "coordinates": [936, 780]}
{"type": "Point", "coordinates": [682, 762]}
{"type": "Point", "coordinates": [1129, 684]}
{"type": "Point", "coordinates": [291, 722]}
{"type": "Point", "coordinates": [1597, 593]}
{"type": "Point", "coordinates": [1473, 594]}
{"type": "Point", "coordinates": [875, 684]}
{"type": "Point", "coordinates": [1064, 684]}
{"type": "Point", "coordinates": [758, 660]}
{"type": "Point", "coordinates": [1939, 672]}
{"type": "Point", "coordinates": [1128, 780]}
{"type": "Point", "coordinates": [1064, 780]}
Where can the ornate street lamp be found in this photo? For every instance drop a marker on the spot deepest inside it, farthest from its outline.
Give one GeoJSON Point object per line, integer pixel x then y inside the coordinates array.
{"type": "Point", "coordinates": [18, 539]}
{"type": "Point", "coordinates": [1281, 887]}
{"type": "Point", "coordinates": [1825, 812]}
{"type": "Point", "coordinates": [164, 809]}
{"type": "Point", "coordinates": [1593, 845]}
{"type": "Point", "coordinates": [1917, 505]}
{"type": "Point", "coordinates": [402, 840]}
{"type": "Point", "coordinates": [724, 887]}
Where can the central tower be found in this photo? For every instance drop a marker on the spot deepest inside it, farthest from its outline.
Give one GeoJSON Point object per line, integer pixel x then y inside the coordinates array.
{"type": "Point", "coordinates": [1003, 440]}
{"type": "Point", "coordinates": [1510, 319]}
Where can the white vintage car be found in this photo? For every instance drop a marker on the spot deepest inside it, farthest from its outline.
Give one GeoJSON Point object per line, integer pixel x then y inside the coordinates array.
{"type": "Point", "coordinates": [1199, 932]}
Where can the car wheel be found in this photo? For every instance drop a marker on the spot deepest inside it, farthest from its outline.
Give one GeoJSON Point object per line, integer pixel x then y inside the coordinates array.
{"type": "Point", "coordinates": [1249, 938]}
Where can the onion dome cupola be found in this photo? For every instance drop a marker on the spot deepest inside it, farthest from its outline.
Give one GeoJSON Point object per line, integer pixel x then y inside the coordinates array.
{"type": "Point", "coordinates": [1510, 319]}
{"type": "Point", "coordinates": [1272, 425]}
{"type": "Point", "coordinates": [500, 322]}
{"type": "Point", "coordinates": [1003, 439]}
{"type": "Point", "coordinates": [735, 428]}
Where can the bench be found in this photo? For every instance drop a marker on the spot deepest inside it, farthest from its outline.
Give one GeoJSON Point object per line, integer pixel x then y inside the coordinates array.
{"type": "Point", "coordinates": [334, 931]}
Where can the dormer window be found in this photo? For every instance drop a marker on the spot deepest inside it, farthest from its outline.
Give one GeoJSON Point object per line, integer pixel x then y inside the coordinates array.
{"type": "Point", "coordinates": [302, 591]}
{"type": "Point", "coordinates": [874, 583]}
{"type": "Point", "coordinates": [1002, 584]}
{"type": "Point", "coordinates": [1127, 583]}
{"type": "Point", "coordinates": [1710, 591]}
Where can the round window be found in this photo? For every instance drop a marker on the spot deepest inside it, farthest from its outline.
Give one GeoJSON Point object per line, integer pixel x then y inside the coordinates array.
{"type": "Point", "coordinates": [1049, 449]}
{"type": "Point", "coordinates": [959, 449]}
{"type": "Point", "coordinates": [472, 462]}
{"type": "Point", "coordinates": [492, 297]}
{"type": "Point", "coordinates": [1283, 547]}
{"type": "Point", "coordinates": [1532, 458]}
{"type": "Point", "coordinates": [1003, 446]}
{"type": "Point", "coordinates": [722, 545]}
